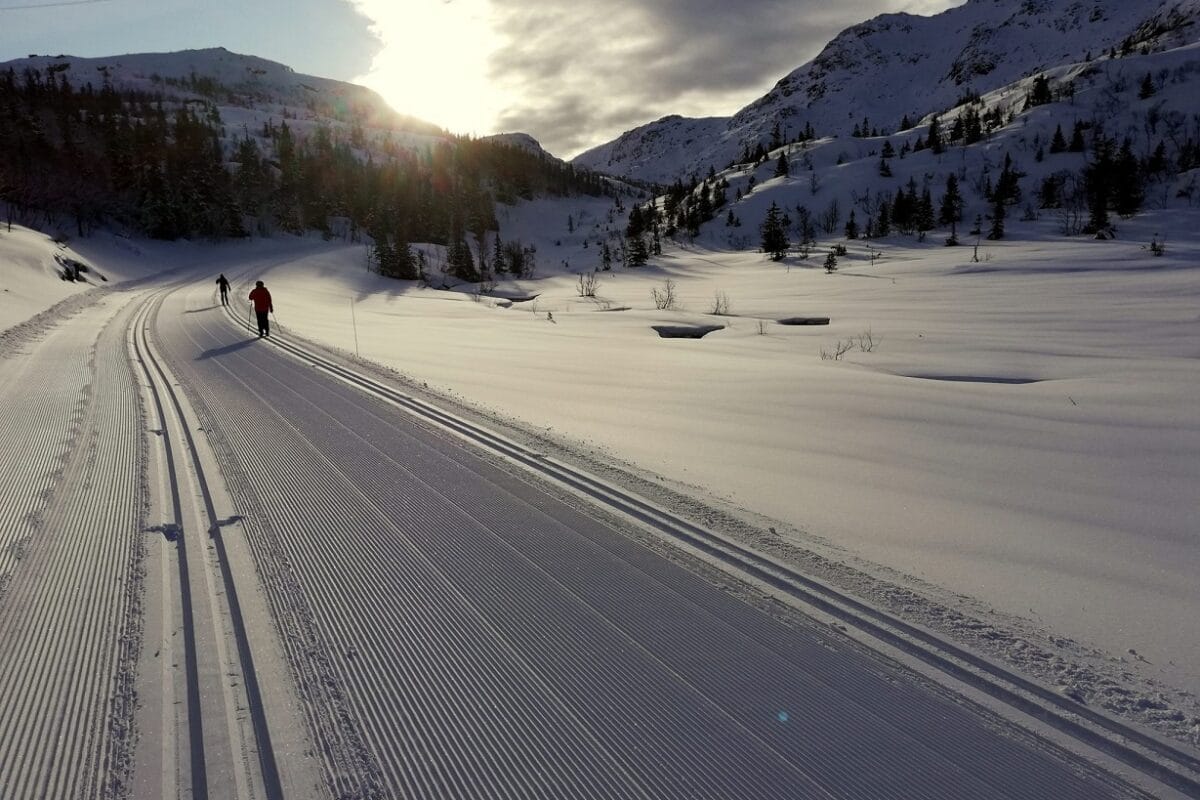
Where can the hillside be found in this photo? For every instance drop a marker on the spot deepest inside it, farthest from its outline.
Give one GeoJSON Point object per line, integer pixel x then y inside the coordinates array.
{"type": "Point", "coordinates": [210, 144]}
{"type": "Point", "coordinates": [231, 80]}
{"type": "Point", "coordinates": [899, 66]}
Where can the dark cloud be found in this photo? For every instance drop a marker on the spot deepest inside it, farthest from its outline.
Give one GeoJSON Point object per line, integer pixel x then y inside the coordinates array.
{"type": "Point", "coordinates": [588, 73]}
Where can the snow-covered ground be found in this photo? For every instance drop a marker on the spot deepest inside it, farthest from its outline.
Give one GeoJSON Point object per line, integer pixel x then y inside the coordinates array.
{"type": "Point", "coordinates": [1021, 442]}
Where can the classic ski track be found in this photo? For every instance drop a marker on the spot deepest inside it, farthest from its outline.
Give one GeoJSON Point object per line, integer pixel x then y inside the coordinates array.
{"type": "Point", "coordinates": [1155, 758]}
{"type": "Point", "coordinates": [428, 696]}
{"type": "Point", "coordinates": [228, 756]}
{"type": "Point", "coordinates": [70, 619]}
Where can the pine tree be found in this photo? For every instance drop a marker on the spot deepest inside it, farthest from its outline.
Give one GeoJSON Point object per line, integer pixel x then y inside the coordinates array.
{"type": "Point", "coordinates": [1147, 89]}
{"type": "Point", "coordinates": [1127, 192]}
{"type": "Point", "coordinates": [1098, 185]}
{"type": "Point", "coordinates": [883, 224]}
{"type": "Point", "coordinates": [998, 212]}
{"type": "Point", "coordinates": [1040, 94]}
{"type": "Point", "coordinates": [774, 234]}
{"type": "Point", "coordinates": [950, 211]}
{"type": "Point", "coordinates": [499, 263]}
{"type": "Point", "coordinates": [1059, 142]}
{"type": "Point", "coordinates": [934, 139]}
{"type": "Point", "coordinates": [782, 168]}
{"type": "Point", "coordinates": [831, 262]}
{"type": "Point", "coordinates": [1008, 187]}
{"type": "Point", "coordinates": [924, 215]}
{"type": "Point", "coordinates": [851, 226]}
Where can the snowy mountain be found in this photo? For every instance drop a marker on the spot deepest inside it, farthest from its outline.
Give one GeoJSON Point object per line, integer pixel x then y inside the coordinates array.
{"type": "Point", "coordinates": [899, 66]}
{"type": "Point", "coordinates": [231, 80]}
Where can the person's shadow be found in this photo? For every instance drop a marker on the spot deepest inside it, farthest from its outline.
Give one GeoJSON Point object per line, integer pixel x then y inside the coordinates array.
{"type": "Point", "coordinates": [217, 352]}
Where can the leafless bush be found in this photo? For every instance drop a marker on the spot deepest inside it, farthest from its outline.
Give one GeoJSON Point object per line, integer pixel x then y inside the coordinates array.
{"type": "Point", "coordinates": [840, 348]}
{"type": "Point", "coordinates": [829, 218]}
{"type": "Point", "coordinates": [867, 341]}
{"type": "Point", "coordinates": [720, 305]}
{"type": "Point", "coordinates": [587, 285]}
{"type": "Point", "coordinates": [664, 300]}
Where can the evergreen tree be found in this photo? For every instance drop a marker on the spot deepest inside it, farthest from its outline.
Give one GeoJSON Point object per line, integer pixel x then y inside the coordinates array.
{"type": "Point", "coordinates": [950, 210]}
{"type": "Point", "coordinates": [499, 262]}
{"type": "Point", "coordinates": [1040, 94]}
{"type": "Point", "coordinates": [1098, 186]}
{"type": "Point", "coordinates": [1059, 142]}
{"type": "Point", "coordinates": [1147, 90]}
{"type": "Point", "coordinates": [1008, 187]}
{"type": "Point", "coordinates": [934, 140]}
{"type": "Point", "coordinates": [1127, 192]}
{"type": "Point", "coordinates": [637, 254]}
{"type": "Point", "coordinates": [831, 262]}
{"type": "Point", "coordinates": [924, 216]}
{"type": "Point", "coordinates": [851, 226]}
{"type": "Point", "coordinates": [998, 213]}
{"type": "Point", "coordinates": [774, 234]}
{"type": "Point", "coordinates": [883, 224]}
{"type": "Point", "coordinates": [782, 168]}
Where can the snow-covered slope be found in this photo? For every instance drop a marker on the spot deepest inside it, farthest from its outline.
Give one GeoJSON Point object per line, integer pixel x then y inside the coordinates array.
{"type": "Point", "coordinates": [898, 65]}
{"type": "Point", "coordinates": [229, 79]}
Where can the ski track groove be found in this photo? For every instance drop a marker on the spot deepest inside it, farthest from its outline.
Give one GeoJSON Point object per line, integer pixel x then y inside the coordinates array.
{"type": "Point", "coordinates": [673, 729]}
{"type": "Point", "coordinates": [228, 732]}
{"type": "Point", "coordinates": [479, 664]}
{"type": "Point", "coordinates": [1155, 758]}
{"type": "Point", "coordinates": [919, 779]}
{"type": "Point", "coordinates": [65, 704]}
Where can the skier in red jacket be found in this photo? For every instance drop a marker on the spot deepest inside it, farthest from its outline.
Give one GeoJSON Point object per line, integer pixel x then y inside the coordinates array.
{"type": "Point", "coordinates": [262, 306]}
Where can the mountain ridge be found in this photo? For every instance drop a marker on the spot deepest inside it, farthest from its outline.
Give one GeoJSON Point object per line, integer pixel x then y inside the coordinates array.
{"type": "Point", "coordinates": [974, 48]}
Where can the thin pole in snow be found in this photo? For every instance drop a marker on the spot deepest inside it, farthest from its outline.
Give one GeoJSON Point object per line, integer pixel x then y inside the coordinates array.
{"type": "Point", "coordinates": [354, 324]}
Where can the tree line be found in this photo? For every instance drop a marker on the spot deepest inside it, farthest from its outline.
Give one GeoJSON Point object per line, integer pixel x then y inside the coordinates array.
{"type": "Point", "coordinates": [168, 168]}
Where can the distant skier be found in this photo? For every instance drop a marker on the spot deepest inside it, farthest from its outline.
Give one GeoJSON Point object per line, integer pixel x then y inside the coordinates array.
{"type": "Point", "coordinates": [223, 285]}
{"type": "Point", "coordinates": [262, 306]}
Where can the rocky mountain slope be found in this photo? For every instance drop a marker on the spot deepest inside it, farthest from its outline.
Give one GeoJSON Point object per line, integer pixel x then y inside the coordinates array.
{"type": "Point", "coordinates": [899, 66]}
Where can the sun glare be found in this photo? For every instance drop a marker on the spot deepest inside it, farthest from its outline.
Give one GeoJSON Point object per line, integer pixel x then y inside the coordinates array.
{"type": "Point", "coordinates": [434, 60]}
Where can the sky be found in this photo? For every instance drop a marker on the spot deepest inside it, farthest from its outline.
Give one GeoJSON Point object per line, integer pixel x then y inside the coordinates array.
{"type": "Point", "coordinates": [570, 74]}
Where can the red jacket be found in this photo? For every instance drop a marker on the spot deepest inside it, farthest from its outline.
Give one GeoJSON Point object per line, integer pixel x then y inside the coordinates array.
{"type": "Point", "coordinates": [262, 299]}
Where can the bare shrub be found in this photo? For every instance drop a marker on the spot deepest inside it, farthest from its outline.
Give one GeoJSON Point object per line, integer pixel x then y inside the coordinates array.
{"type": "Point", "coordinates": [587, 284]}
{"type": "Point", "coordinates": [840, 348]}
{"type": "Point", "coordinates": [720, 305]}
{"type": "Point", "coordinates": [665, 300]}
{"type": "Point", "coordinates": [866, 341]}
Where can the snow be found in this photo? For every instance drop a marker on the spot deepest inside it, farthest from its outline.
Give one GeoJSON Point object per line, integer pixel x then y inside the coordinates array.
{"type": "Point", "coordinates": [1023, 432]}
{"type": "Point", "coordinates": [977, 46]}
{"type": "Point", "coordinates": [1000, 442]}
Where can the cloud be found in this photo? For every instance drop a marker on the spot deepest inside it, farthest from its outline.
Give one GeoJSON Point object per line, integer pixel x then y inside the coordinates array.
{"type": "Point", "coordinates": [575, 76]}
